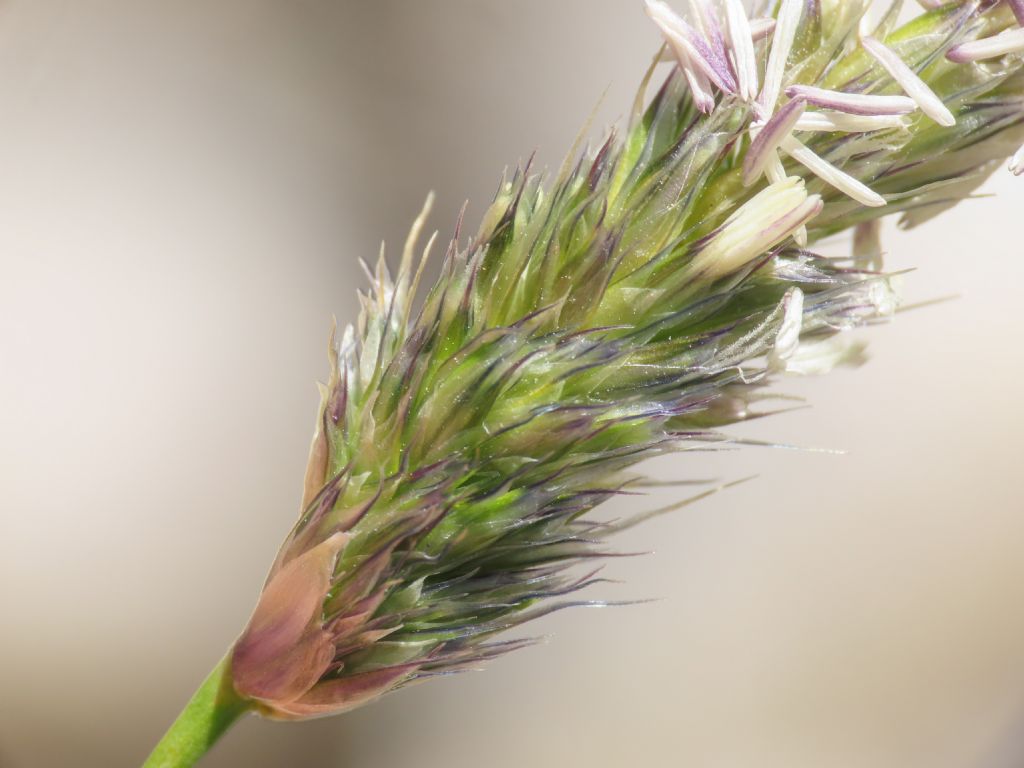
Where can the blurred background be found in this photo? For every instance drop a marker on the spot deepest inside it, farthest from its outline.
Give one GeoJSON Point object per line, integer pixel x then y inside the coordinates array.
{"type": "Point", "coordinates": [185, 189]}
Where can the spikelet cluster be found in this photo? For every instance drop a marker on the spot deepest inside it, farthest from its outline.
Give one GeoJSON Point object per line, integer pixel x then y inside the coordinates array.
{"type": "Point", "coordinates": [630, 306]}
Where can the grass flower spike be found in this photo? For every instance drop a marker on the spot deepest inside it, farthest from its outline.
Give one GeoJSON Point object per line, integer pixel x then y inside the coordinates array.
{"type": "Point", "coordinates": [630, 306]}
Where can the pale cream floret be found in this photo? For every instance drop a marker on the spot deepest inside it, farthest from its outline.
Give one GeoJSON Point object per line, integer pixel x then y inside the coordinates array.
{"type": "Point", "coordinates": [769, 217]}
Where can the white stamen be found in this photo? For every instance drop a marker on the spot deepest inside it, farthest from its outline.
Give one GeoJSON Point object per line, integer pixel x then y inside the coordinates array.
{"type": "Point", "coordinates": [700, 87]}
{"type": "Point", "coordinates": [662, 15]}
{"type": "Point", "coordinates": [873, 17]}
{"type": "Point", "coordinates": [668, 24]}
{"type": "Point", "coordinates": [699, 12]}
{"type": "Point", "coordinates": [742, 44]}
{"type": "Point", "coordinates": [831, 175]}
{"type": "Point", "coordinates": [1007, 41]}
{"type": "Point", "coordinates": [775, 170]}
{"type": "Point", "coordinates": [841, 121]}
{"type": "Point", "coordinates": [782, 42]}
{"type": "Point", "coordinates": [684, 38]}
{"type": "Point", "coordinates": [711, 35]}
{"type": "Point", "coordinates": [911, 84]}
{"type": "Point", "coordinates": [865, 24]}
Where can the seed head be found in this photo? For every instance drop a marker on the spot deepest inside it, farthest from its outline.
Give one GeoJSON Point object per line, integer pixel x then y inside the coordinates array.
{"type": "Point", "coordinates": [623, 309]}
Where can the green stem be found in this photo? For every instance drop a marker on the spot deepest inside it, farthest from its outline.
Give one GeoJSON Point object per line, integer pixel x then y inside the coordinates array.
{"type": "Point", "coordinates": [212, 710]}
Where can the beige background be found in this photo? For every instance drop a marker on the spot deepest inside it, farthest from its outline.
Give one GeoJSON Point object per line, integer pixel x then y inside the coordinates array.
{"type": "Point", "coordinates": [184, 189]}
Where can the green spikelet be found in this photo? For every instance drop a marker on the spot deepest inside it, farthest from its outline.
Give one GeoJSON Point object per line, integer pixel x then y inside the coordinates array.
{"type": "Point", "coordinates": [628, 307]}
